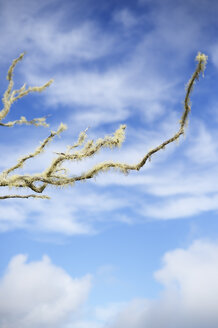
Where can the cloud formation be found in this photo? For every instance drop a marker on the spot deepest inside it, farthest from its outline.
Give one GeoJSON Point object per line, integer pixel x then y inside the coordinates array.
{"type": "Point", "coordinates": [39, 294]}
{"type": "Point", "coordinates": [190, 292]}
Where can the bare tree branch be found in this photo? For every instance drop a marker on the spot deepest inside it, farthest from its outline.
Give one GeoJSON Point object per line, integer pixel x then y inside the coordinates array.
{"type": "Point", "coordinates": [52, 175]}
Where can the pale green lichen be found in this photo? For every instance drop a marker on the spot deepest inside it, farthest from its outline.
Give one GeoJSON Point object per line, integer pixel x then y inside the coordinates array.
{"type": "Point", "coordinates": [56, 175]}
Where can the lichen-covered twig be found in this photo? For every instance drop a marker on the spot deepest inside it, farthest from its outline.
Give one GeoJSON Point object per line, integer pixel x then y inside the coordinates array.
{"type": "Point", "coordinates": [9, 97]}
{"type": "Point", "coordinates": [52, 175]}
{"type": "Point", "coordinates": [25, 196]}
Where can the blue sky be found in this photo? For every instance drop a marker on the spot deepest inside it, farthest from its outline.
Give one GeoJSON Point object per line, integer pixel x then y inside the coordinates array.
{"type": "Point", "coordinates": [117, 251]}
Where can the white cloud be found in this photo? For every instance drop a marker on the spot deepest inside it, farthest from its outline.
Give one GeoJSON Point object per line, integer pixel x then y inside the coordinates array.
{"type": "Point", "coordinates": [203, 145]}
{"type": "Point", "coordinates": [106, 313]}
{"type": "Point", "coordinates": [39, 294]}
{"type": "Point", "coordinates": [95, 317]}
{"type": "Point", "coordinates": [136, 85]}
{"type": "Point", "coordinates": [214, 54]}
{"type": "Point", "coordinates": [110, 95]}
{"type": "Point", "coordinates": [180, 208]}
{"type": "Point", "coordinates": [130, 84]}
{"type": "Point", "coordinates": [189, 298]}
{"type": "Point", "coordinates": [181, 192]}
{"type": "Point", "coordinates": [70, 211]}
{"type": "Point", "coordinates": [96, 117]}
{"type": "Point", "coordinates": [83, 43]}
{"type": "Point", "coordinates": [125, 17]}
{"type": "Point", "coordinates": [113, 90]}
{"type": "Point", "coordinates": [43, 30]}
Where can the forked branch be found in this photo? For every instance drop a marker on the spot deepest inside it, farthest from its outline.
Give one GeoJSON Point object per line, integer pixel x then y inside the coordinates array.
{"type": "Point", "coordinates": [55, 174]}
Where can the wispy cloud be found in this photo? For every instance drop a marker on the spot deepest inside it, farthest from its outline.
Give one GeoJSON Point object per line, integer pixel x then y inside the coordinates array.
{"type": "Point", "coordinates": [112, 63]}
{"type": "Point", "coordinates": [126, 18]}
{"type": "Point", "coordinates": [178, 190]}
{"type": "Point", "coordinates": [100, 81]}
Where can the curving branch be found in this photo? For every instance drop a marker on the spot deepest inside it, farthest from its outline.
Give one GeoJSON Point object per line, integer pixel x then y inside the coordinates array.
{"type": "Point", "coordinates": [55, 174]}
